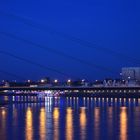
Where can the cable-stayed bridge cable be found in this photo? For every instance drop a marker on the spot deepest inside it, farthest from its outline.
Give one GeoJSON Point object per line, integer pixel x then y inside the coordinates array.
{"type": "Point", "coordinates": [46, 48]}
{"type": "Point", "coordinates": [12, 74]}
{"type": "Point", "coordinates": [33, 63]}
{"type": "Point", "coordinates": [82, 42]}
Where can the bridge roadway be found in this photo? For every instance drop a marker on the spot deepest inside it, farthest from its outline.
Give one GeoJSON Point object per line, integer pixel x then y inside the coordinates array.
{"type": "Point", "coordinates": [62, 88]}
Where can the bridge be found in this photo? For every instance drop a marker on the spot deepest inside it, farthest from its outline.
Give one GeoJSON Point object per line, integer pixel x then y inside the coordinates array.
{"type": "Point", "coordinates": [73, 89]}
{"type": "Point", "coordinates": [37, 94]}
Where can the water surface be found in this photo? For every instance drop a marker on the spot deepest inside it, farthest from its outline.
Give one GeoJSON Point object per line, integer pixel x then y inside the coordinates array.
{"type": "Point", "coordinates": [71, 118]}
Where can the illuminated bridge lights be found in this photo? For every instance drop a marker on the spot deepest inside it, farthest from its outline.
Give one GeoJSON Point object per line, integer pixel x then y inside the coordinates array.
{"type": "Point", "coordinates": [124, 91]}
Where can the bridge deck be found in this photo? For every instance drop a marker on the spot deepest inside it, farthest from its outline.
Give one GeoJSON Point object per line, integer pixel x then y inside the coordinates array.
{"type": "Point", "coordinates": [67, 88]}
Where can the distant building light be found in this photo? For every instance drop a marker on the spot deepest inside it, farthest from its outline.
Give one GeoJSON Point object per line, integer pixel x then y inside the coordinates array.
{"type": "Point", "coordinates": [29, 81]}
{"type": "Point", "coordinates": [69, 81]}
{"type": "Point", "coordinates": [129, 77]}
{"type": "Point", "coordinates": [42, 80]}
{"type": "Point", "coordinates": [55, 81]}
{"type": "Point", "coordinates": [83, 80]}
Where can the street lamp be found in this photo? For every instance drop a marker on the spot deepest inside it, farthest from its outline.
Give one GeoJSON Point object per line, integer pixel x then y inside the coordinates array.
{"type": "Point", "coordinates": [29, 81]}
{"type": "Point", "coordinates": [69, 82]}
{"type": "Point", "coordinates": [55, 81]}
{"type": "Point", "coordinates": [121, 76]}
{"type": "Point", "coordinates": [42, 80]}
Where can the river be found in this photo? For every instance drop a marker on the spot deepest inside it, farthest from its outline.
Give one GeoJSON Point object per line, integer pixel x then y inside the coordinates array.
{"type": "Point", "coordinates": [71, 118]}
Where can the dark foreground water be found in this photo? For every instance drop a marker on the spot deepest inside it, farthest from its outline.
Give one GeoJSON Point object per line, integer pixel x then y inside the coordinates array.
{"type": "Point", "coordinates": [71, 118]}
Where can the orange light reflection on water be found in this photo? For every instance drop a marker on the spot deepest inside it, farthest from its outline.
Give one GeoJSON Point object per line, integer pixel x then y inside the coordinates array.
{"type": "Point", "coordinates": [69, 124]}
{"type": "Point", "coordinates": [29, 124]}
{"type": "Point", "coordinates": [42, 125]}
{"type": "Point", "coordinates": [97, 123]}
{"type": "Point", "coordinates": [83, 121]}
{"type": "Point", "coordinates": [3, 116]}
{"type": "Point", "coordinates": [56, 123]}
{"type": "Point", "coordinates": [123, 124]}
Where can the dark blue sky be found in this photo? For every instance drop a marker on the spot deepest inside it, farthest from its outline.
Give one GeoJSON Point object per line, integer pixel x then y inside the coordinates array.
{"type": "Point", "coordinates": [111, 24]}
